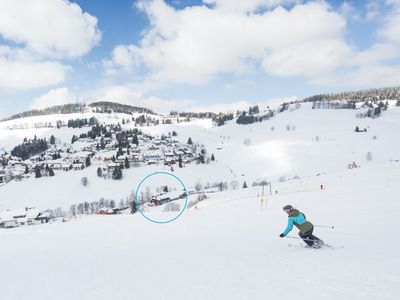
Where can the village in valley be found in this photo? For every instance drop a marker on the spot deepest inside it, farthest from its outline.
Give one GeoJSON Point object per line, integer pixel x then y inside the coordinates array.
{"type": "Point", "coordinates": [110, 138]}
{"type": "Point", "coordinates": [108, 149]}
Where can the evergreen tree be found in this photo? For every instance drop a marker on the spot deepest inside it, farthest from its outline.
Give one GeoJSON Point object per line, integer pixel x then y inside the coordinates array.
{"type": "Point", "coordinates": [84, 181]}
{"type": "Point", "coordinates": [127, 164]}
{"type": "Point", "coordinates": [135, 140]}
{"type": "Point", "coordinates": [38, 173]}
{"type": "Point", "coordinates": [112, 202]}
{"type": "Point", "coordinates": [51, 172]}
{"type": "Point", "coordinates": [202, 159]}
{"type": "Point", "coordinates": [244, 185]}
{"type": "Point", "coordinates": [133, 207]}
{"type": "Point", "coordinates": [165, 189]}
{"type": "Point", "coordinates": [180, 161]}
{"type": "Point", "coordinates": [117, 174]}
{"type": "Point", "coordinates": [74, 139]}
{"type": "Point", "coordinates": [88, 163]}
{"type": "Point", "coordinates": [190, 142]}
{"type": "Point", "coordinates": [212, 157]}
{"type": "Point", "coordinates": [28, 149]}
{"type": "Point", "coordinates": [99, 172]}
{"type": "Point", "coordinates": [119, 152]}
{"type": "Point", "coordinates": [26, 170]}
{"type": "Point", "coordinates": [52, 140]}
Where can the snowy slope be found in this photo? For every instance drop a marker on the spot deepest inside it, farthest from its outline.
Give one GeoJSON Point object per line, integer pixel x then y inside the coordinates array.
{"type": "Point", "coordinates": [11, 133]}
{"type": "Point", "coordinates": [271, 154]}
{"type": "Point", "coordinates": [227, 249]}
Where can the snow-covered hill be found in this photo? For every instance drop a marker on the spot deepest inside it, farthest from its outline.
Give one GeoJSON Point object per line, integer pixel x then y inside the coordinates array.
{"type": "Point", "coordinates": [293, 146]}
{"type": "Point", "coordinates": [228, 248]}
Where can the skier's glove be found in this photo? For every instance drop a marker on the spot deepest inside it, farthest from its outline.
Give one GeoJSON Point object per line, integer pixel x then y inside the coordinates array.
{"type": "Point", "coordinates": [282, 235]}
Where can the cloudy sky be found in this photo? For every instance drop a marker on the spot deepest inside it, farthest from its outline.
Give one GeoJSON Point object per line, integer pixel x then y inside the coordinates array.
{"type": "Point", "coordinates": [192, 54]}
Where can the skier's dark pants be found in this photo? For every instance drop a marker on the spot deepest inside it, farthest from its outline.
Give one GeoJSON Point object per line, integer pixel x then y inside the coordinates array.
{"type": "Point", "coordinates": [308, 237]}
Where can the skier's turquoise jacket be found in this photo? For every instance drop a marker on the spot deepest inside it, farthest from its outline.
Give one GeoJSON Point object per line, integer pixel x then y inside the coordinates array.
{"type": "Point", "coordinates": [299, 220]}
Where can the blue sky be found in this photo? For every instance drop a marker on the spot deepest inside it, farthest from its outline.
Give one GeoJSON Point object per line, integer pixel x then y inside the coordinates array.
{"type": "Point", "coordinates": [193, 55]}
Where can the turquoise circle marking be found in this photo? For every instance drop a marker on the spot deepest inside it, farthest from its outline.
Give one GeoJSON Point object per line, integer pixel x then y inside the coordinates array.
{"type": "Point", "coordinates": [137, 199]}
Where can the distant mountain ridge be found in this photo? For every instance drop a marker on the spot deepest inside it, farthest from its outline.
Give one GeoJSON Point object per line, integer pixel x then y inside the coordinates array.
{"type": "Point", "coordinates": [378, 94]}
{"type": "Point", "coordinates": [387, 93]}
{"type": "Point", "coordinates": [114, 107]}
{"type": "Point", "coordinates": [57, 109]}
{"type": "Point", "coordinates": [98, 107]}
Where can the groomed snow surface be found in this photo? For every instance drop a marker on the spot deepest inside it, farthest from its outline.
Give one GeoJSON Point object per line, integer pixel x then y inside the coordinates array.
{"type": "Point", "coordinates": [226, 249]}
{"type": "Point", "coordinates": [229, 247]}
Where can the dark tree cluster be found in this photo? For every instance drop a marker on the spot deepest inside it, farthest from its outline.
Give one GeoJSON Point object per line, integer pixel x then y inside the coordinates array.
{"type": "Point", "coordinates": [30, 148]}
{"type": "Point", "coordinates": [58, 109]}
{"type": "Point", "coordinates": [334, 105]}
{"type": "Point", "coordinates": [199, 115]}
{"type": "Point", "coordinates": [222, 118]}
{"type": "Point", "coordinates": [245, 119]}
{"type": "Point", "coordinates": [89, 208]}
{"type": "Point", "coordinates": [373, 112]}
{"type": "Point", "coordinates": [254, 110]}
{"type": "Point", "coordinates": [112, 107]}
{"type": "Point", "coordinates": [141, 120]}
{"type": "Point", "coordinates": [359, 96]}
{"type": "Point", "coordinates": [79, 123]}
{"type": "Point", "coordinates": [56, 155]}
{"type": "Point", "coordinates": [117, 174]}
{"type": "Point", "coordinates": [283, 107]}
{"type": "Point", "coordinates": [97, 131]}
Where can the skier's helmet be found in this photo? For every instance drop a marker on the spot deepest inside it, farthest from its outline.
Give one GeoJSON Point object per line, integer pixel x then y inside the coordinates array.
{"type": "Point", "coordinates": [288, 208]}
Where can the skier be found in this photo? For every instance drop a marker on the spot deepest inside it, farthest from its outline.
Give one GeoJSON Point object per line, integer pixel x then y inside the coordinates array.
{"type": "Point", "coordinates": [306, 228]}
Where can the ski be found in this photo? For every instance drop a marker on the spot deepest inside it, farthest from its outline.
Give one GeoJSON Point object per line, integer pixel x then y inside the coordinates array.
{"type": "Point", "coordinates": [322, 246]}
{"type": "Point", "coordinates": [333, 247]}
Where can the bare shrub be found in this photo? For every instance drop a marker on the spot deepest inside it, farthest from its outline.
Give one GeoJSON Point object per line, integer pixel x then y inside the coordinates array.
{"type": "Point", "coordinates": [369, 156]}
{"type": "Point", "coordinates": [84, 181]}
{"type": "Point", "coordinates": [171, 207]}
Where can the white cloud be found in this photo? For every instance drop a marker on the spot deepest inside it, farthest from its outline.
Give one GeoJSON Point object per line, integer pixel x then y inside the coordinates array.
{"type": "Point", "coordinates": [349, 11]}
{"type": "Point", "coordinates": [239, 83]}
{"type": "Point", "coordinates": [391, 28]}
{"type": "Point", "coordinates": [53, 97]}
{"type": "Point", "coordinates": [373, 9]}
{"type": "Point", "coordinates": [19, 70]}
{"type": "Point", "coordinates": [222, 107]}
{"type": "Point", "coordinates": [367, 76]}
{"type": "Point", "coordinates": [198, 43]}
{"type": "Point", "coordinates": [56, 28]}
{"type": "Point", "coordinates": [242, 105]}
{"type": "Point", "coordinates": [42, 32]}
{"type": "Point", "coordinates": [247, 5]}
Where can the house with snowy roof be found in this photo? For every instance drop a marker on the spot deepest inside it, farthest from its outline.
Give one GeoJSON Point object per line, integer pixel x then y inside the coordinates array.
{"type": "Point", "coordinates": [18, 217]}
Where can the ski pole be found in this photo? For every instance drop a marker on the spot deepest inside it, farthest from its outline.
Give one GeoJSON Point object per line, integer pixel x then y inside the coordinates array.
{"type": "Point", "coordinates": [325, 226]}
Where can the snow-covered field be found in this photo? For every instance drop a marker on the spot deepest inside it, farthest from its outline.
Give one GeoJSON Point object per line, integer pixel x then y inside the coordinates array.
{"type": "Point", "coordinates": [228, 248]}
{"type": "Point", "coordinates": [323, 141]}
